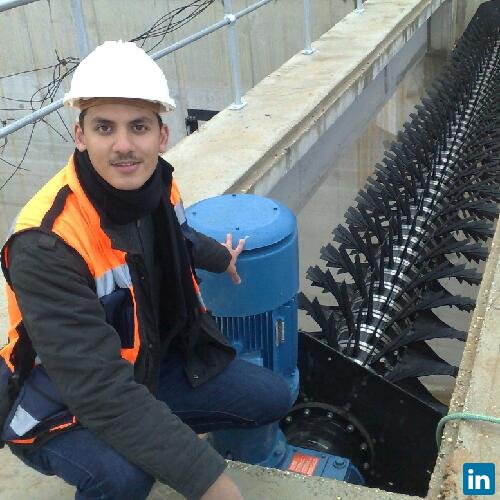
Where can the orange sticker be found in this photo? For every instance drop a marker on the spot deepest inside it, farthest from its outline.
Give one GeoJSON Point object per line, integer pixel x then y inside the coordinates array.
{"type": "Point", "coordinates": [303, 464]}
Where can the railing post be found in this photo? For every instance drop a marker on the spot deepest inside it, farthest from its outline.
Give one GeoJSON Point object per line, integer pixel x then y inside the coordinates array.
{"type": "Point", "coordinates": [81, 32]}
{"type": "Point", "coordinates": [359, 6]}
{"type": "Point", "coordinates": [233, 55]}
{"type": "Point", "coordinates": [308, 50]}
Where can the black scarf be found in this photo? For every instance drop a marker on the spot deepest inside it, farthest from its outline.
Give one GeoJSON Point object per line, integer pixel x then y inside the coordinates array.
{"type": "Point", "coordinates": [179, 306]}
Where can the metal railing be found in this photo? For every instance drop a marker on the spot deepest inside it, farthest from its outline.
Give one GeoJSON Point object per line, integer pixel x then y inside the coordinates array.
{"type": "Point", "coordinates": [228, 20]}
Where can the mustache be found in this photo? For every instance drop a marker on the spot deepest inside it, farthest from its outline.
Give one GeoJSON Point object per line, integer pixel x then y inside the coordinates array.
{"type": "Point", "coordinates": [124, 158]}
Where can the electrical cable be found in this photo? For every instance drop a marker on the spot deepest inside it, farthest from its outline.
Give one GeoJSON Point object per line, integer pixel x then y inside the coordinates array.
{"type": "Point", "coordinates": [462, 416]}
{"type": "Point", "coordinates": [168, 23]}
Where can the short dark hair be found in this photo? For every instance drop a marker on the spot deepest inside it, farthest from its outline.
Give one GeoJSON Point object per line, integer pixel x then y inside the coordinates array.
{"type": "Point", "coordinates": [81, 116]}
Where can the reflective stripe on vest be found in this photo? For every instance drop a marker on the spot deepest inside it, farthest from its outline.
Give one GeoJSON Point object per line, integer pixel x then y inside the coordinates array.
{"type": "Point", "coordinates": [22, 422]}
{"type": "Point", "coordinates": [118, 276]}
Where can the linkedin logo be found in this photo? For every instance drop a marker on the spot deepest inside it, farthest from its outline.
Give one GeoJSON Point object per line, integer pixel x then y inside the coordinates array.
{"type": "Point", "coordinates": [479, 479]}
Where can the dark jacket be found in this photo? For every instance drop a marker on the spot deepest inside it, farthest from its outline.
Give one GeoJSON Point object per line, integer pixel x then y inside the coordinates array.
{"type": "Point", "coordinates": [80, 351]}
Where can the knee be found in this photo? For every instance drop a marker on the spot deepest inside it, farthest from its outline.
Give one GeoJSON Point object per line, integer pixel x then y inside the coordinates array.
{"type": "Point", "coordinates": [262, 396]}
{"type": "Point", "coordinates": [134, 484]}
{"type": "Point", "coordinates": [270, 396]}
{"type": "Point", "coordinates": [120, 481]}
{"type": "Point", "coordinates": [279, 399]}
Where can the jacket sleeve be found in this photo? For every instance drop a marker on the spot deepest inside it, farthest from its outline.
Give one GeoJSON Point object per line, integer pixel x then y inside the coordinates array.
{"type": "Point", "coordinates": [208, 254]}
{"type": "Point", "coordinates": [81, 354]}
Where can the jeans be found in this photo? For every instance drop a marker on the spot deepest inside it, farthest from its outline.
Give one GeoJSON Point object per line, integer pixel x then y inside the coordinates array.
{"type": "Point", "coordinates": [243, 395]}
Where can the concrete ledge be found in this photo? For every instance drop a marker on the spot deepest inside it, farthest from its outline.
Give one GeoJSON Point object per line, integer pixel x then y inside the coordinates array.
{"type": "Point", "coordinates": [250, 150]}
{"type": "Point", "coordinates": [476, 390]}
{"type": "Point", "coordinates": [256, 483]}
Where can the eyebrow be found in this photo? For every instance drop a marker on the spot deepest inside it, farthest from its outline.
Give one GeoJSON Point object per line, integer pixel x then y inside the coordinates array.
{"type": "Point", "coordinates": [142, 119]}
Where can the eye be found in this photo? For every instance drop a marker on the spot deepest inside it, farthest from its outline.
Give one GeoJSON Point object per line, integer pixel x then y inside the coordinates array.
{"type": "Point", "coordinates": [139, 127]}
{"type": "Point", "coordinates": [103, 129]}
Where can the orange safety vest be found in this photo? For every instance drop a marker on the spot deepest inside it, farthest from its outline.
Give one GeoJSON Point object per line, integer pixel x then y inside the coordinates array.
{"type": "Point", "coordinates": [62, 208]}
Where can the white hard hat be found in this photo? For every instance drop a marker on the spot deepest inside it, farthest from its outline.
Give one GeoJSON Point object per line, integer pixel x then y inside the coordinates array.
{"type": "Point", "coordinates": [122, 70]}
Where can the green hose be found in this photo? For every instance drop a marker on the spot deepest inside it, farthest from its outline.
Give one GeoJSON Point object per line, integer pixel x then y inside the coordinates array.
{"type": "Point", "coordinates": [462, 416]}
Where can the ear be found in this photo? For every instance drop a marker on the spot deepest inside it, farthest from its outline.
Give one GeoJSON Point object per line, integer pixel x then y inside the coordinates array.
{"type": "Point", "coordinates": [164, 134]}
{"type": "Point", "coordinates": [79, 138]}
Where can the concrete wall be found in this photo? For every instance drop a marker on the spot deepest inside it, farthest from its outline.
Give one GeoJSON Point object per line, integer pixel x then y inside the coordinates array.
{"type": "Point", "coordinates": [301, 116]}
{"type": "Point", "coordinates": [476, 391]}
{"type": "Point", "coordinates": [449, 22]}
{"type": "Point", "coordinates": [199, 74]}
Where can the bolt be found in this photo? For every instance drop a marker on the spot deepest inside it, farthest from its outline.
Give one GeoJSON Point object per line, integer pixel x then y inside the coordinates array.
{"type": "Point", "coordinates": [329, 414]}
{"type": "Point", "coordinates": [364, 446]}
{"type": "Point", "coordinates": [350, 428]}
{"type": "Point", "coordinates": [366, 466]}
{"type": "Point", "coordinates": [307, 412]}
{"type": "Point", "coordinates": [288, 419]}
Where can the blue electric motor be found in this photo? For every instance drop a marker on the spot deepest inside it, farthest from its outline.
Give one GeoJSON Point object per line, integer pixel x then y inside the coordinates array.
{"type": "Point", "coordinates": [259, 318]}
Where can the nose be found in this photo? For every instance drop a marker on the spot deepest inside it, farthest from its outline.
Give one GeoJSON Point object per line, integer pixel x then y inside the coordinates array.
{"type": "Point", "coordinates": [122, 143]}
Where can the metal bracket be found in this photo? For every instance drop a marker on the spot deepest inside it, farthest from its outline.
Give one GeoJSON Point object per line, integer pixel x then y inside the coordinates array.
{"type": "Point", "coordinates": [279, 332]}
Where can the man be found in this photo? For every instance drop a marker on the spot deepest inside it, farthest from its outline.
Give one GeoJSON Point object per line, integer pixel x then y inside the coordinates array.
{"type": "Point", "coordinates": [113, 363]}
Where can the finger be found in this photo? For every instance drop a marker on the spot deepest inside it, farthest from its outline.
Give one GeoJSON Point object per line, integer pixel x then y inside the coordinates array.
{"type": "Point", "coordinates": [239, 248]}
{"type": "Point", "coordinates": [233, 273]}
{"type": "Point", "coordinates": [229, 240]}
{"type": "Point", "coordinates": [235, 277]}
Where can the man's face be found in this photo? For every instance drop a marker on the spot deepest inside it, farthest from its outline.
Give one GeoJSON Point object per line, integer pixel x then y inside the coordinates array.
{"type": "Point", "coordinates": [123, 142]}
